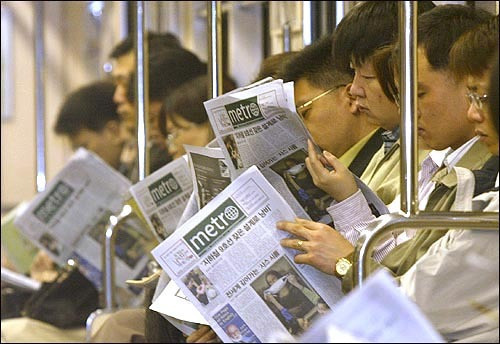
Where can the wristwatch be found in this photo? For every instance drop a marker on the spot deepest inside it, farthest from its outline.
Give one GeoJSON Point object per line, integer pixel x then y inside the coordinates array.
{"type": "Point", "coordinates": [342, 266]}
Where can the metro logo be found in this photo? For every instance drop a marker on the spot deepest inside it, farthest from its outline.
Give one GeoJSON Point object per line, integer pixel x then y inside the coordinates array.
{"type": "Point", "coordinates": [244, 112]}
{"type": "Point", "coordinates": [215, 225]}
{"type": "Point", "coordinates": [53, 202]}
{"type": "Point", "coordinates": [164, 189]}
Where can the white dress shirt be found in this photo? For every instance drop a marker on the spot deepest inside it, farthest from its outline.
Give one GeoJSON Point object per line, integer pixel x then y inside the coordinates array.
{"type": "Point", "coordinates": [353, 215]}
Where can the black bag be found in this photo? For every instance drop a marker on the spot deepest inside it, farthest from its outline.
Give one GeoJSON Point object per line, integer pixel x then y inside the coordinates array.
{"type": "Point", "coordinates": [66, 302]}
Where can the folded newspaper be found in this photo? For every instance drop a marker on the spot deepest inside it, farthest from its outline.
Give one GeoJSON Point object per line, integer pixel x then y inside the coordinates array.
{"type": "Point", "coordinates": [69, 218]}
{"type": "Point", "coordinates": [377, 313]}
{"type": "Point", "coordinates": [228, 261]}
{"type": "Point", "coordinates": [258, 125]}
{"type": "Point", "coordinates": [163, 195]}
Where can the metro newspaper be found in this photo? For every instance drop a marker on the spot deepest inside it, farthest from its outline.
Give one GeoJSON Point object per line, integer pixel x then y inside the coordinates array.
{"type": "Point", "coordinates": [228, 261]}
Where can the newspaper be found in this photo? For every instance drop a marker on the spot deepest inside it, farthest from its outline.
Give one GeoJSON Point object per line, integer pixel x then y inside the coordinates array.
{"type": "Point", "coordinates": [376, 313]}
{"type": "Point", "coordinates": [210, 172]}
{"type": "Point", "coordinates": [259, 126]}
{"type": "Point", "coordinates": [163, 195]}
{"type": "Point", "coordinates": [228, 261]}
{"type": "Point", "coordinates": [69, 218]}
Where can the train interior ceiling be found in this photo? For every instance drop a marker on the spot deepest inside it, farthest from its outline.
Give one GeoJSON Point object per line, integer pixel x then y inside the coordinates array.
{"type": "Point", "coordinates": [78, 36]}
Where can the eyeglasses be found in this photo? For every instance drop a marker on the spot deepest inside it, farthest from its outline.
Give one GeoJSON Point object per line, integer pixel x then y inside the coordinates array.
{"type": "Point", "coordinates": [308, 103]}
{"type": "Point", "coordinates": [476, 99]}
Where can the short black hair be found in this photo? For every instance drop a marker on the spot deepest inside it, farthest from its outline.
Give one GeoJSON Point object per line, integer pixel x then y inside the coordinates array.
{"type": "Point", "coordinates": [316, 64]}
{"type": "Point", "coordinates": [366, 27]}
{"type": "Point", "coordinates": [439, 28]}
{"type": "Point", "coordinates": [272, 66]}
{"type": "Point", "coordinates": [89, 107]}
{"type": "Point", "coordinates": [187, 100]}
{"type": "Point", "coordinates": [472, 54]}
{"type": "Point", "coordinates": [168, 69]}
{"type": "Point", "coordinates": [156, 40]}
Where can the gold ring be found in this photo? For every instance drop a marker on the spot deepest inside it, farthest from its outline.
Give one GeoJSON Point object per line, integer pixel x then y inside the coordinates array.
{"type": "Point", "coordinates": [299, 244]}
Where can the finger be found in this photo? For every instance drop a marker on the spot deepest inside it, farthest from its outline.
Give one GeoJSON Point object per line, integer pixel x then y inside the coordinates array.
{"type": "Point", "coordinates": [311, 169]}
{"type": "Point", "coordinates": [311, 225]}
{"type": "Point", "coordinates": [333, 161]}
{"type": "Point", "coordinates": [210, 336]}
{"type": "Point", "coordinates": [294, 243]}
{"type": "Point", "coordinates": [312, 153]}
{"type": "Point", "coordinates": [292, 228]}
{"type": "Point", "coordinates": [304, 258]}
{"type": "Point", "coordinates": [196, 335]}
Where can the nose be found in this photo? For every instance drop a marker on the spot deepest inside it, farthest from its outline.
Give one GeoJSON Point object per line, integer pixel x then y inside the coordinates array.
{"type": "Point", "coordinates": [119, 97]}
{"type": "Point", "coordinates": [356, 90]}
{"type": "Point", "coordinates": [474, 115]}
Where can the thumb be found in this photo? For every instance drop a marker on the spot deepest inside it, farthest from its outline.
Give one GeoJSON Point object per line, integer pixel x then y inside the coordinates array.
{"type": "Point", "coordinates": [333, 161]}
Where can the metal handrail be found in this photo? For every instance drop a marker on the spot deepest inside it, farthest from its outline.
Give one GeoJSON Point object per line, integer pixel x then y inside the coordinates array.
{"type": "Point", "coordinates": [142, 91]}
{"type": "Point", "coordinates": [425, 220]}
{"type": "Point", "coordinates": [215, 67]}
{"type": "Point", "coordinates": [108, 267]}
{"type": "Point", "coordinates": [39, 46]}
{"type": "Point", "coordinates": [109, 255]}
{"type": "Point", "coordinates": [408, 82]}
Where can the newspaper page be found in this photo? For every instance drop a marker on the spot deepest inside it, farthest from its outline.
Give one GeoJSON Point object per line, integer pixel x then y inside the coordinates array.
{"type": "Point", "coordinates": [259, 126]}
{"type": "Point", "coordinates": [376, 313]}
{"type": "Point", "coordinates": [228, 261]}
{"type": "Point", "coordinates": [163, 195]}
{"type": "Point", "coordinates": [209, 171]}
{"type": "Point", "coordinates": [69, 218]}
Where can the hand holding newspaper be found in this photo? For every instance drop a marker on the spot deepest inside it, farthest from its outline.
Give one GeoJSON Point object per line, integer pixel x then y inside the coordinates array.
{"type": "Point", "coordinates": [228, 261]}
{"type": "Point", "coordinates": [68, 219]}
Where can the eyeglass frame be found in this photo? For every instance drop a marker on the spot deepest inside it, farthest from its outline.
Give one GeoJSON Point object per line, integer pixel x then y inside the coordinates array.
{"type": "Point", "coordinates": [475, 99]}
{"type": "Point", "coordinates": [309, 102]}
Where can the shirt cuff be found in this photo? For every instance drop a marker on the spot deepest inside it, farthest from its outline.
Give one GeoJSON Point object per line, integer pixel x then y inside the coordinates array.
{"type": "Point", "coordinates": [350, 211]}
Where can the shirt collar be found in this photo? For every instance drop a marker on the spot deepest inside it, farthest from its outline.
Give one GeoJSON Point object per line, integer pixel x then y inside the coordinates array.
{"type": "Point", "coordinates": [453, 156]}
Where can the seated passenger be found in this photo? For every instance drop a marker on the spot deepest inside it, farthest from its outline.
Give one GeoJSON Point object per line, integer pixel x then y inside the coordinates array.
{"type": "Point", "coordinates": [89, 118]}
{"type": "Point", "coordinates": [354, 44]}
{"type": "Point", "coordinates": [323, 101]}
{"type": "Point", "coordinates": [433, 258]}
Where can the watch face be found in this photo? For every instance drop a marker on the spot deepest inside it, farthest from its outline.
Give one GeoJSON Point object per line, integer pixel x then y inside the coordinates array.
{"type": "Point", "coordinates": [342, 266]}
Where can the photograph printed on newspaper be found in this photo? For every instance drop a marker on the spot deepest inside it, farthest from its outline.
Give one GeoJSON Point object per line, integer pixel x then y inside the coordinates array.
{"type": "Point", "coordinates": [228, 261]}
{"type": "Point", "coordinates": [210, 172]}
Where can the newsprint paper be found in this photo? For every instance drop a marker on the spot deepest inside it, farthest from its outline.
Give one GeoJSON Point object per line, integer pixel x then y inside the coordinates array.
{"type": "Point", "coordinates": [163, 195]}
{"type": "Point", "coordinates": [228, 261]}
{"type": "Point", "coordinates": [69, 218]}
{"type": "Point", "coordinates": [210, 172]}
{"type": "Point", "coordinates": [259, 126]}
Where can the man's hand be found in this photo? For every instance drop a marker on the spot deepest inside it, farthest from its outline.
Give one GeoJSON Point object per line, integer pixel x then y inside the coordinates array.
{"type": "Point", "coordinates": [338, 183]}
{"type": "Point", "coordinates": [321, 245]}
{"type": "Point", "coordinates": [204, 334]}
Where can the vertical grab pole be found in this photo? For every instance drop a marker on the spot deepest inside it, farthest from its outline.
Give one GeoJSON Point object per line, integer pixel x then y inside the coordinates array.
{"type": "Point", "coordinates": [215, 68]}
{"type": "Point", "coordinates": [339, 12]}
{"type": "Point", "coordinates": [306, 23]}
{"type": "Point", "coordinates": [40, 96]}
{"type": "Point", "coordinates": [408, 89]}
{"type": "Point", "coordinates": [141, 88]}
